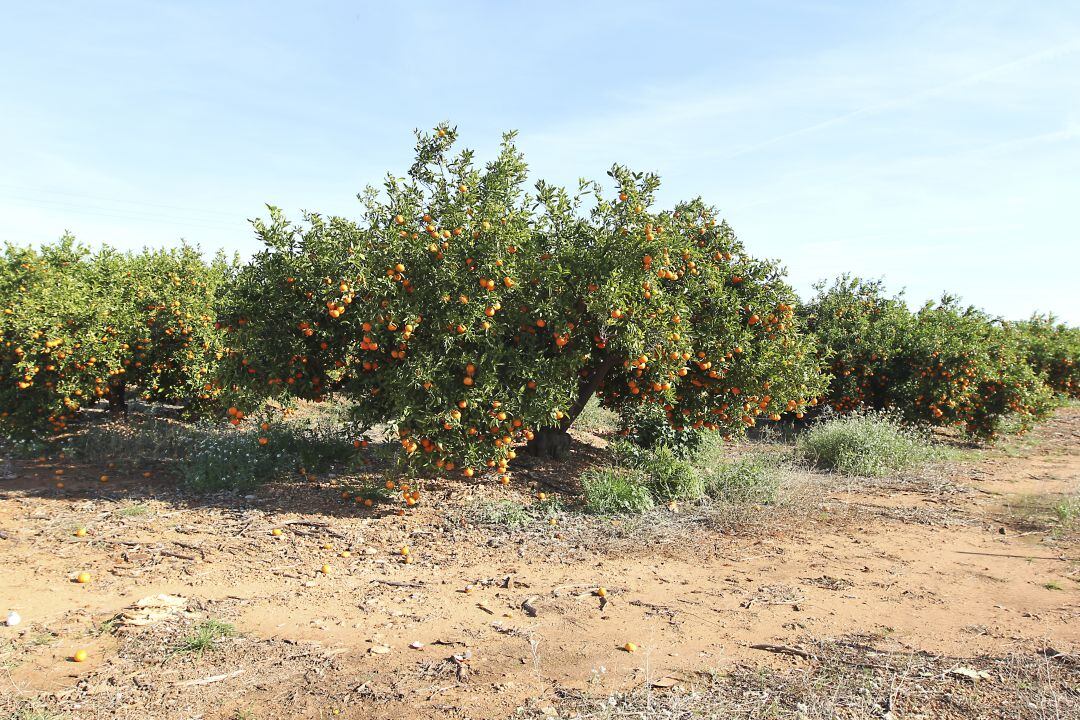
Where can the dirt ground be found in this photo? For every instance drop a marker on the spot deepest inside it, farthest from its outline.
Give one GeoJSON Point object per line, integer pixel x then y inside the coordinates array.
{"type": "Point", "coordinates": [961, 564]}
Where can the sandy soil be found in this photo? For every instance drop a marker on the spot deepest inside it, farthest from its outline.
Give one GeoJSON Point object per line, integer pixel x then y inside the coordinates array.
{"type": "Point", "coordinates": [958, 562]}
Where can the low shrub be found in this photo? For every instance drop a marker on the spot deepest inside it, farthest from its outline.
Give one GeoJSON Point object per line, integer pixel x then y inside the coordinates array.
{"type": "Point", "coordinates": [667, 476]}
{"type": "Point", "coordinates": [751, 479]}
{"type": "Point", "coordinates": [871, 444]}
{"type": "Point", "coordinates": [615, 490]}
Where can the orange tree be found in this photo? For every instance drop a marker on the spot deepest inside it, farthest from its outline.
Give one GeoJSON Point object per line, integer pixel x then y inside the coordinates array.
{"type": "Point", "coordinates": [860, 334]}
{"type": "Point", "coordinates": [76, 327]}
{"type": "Point", "coordinates": [57, 353]}
{"type": "Point", "coordinates": [174, 343]}
{"type": "Point", "coordinates": [474, 314]}
{"type": "Point", "coordinates": [942, 365]}
{"type": "Point", "coordinates": [1053, 350]}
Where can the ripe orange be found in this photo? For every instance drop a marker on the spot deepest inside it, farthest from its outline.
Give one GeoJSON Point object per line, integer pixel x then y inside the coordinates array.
{"type": "Point", "coordinates": [80, 532]}
{"type": "Point", "coordinates": [79, 656]}
{"type": "Point", "coordinates": [82, 578]}
{"type": "Point", "coordinates": [630, 647]}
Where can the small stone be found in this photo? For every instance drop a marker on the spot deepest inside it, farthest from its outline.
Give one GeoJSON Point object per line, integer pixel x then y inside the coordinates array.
{"type": "Point", "coordinates": [13, 619]}
{"type": "Point", "coordinates": [968, 674]}
{"type": "Point", "coordinates": [379, 649]}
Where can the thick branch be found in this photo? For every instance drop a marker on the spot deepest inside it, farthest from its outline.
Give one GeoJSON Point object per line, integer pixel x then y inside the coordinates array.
{"type": "Point", "coordinates": [587, 389]}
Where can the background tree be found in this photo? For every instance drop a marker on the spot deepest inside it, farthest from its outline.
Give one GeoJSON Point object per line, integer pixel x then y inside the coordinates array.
{"type": "Point", "coordinates": [943, 365]}
{"type": "Point", "coordinates": [77, 327]}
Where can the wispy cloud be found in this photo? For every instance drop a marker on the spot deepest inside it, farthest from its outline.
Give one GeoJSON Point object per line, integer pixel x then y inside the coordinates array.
{"type": "Point", "coordinates": [1059, 51]}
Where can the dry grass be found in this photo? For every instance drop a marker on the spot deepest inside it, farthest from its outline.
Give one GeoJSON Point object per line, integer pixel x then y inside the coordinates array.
{"type": "Point", "coordinates": [851, 679]}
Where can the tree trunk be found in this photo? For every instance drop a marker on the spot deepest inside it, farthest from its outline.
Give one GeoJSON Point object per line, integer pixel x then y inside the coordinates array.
{"type": "Point", "coordinates": [118, 398]}
{"type": "Point", "coordinates": [551, 442]}
{"type": "Point", "coordinates": [554, 442]}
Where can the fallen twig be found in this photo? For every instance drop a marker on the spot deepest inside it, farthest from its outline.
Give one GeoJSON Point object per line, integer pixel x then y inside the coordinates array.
{"type": "Point", "coordinates": [785, 650]}
{"type": "Point", "coordinates": [398, 583]}
{"type": "Point", "coordinates": [211, 679]}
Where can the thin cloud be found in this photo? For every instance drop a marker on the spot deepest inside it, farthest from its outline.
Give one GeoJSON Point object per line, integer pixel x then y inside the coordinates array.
{"type": "Point", "coordinates": [1058, 51]}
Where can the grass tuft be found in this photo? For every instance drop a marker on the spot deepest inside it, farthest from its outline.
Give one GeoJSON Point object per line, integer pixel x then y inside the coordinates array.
{"type": "Point", "coordinates": [134, 510]}
{"type": "Point", "coordinates": [506, 514]}
{"type": "Point", "coordinates": [867, 444]}
{"type": "Point", "coordinates": [1068, 512]}
{"type": "Point", "coordinates": [204, 637]}
{"type": "Point", "coordinates": [751, 479]}
{"type": "Point", "coordinates": [615, 490]}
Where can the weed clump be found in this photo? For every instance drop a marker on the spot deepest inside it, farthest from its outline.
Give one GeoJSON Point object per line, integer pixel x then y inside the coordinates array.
{"type": "Point", "coordinates": [870, 444]}
{"type": "Point", "coordinates": [615, 490]}
{"type": "Point", "coordinates": [667, 476]}
{"type": "Point", "coordinates": [204, 637]}
{"type": "Point", "coordinates": [752, 479]}
{"type": "Point", "coordinates": [506, 514]}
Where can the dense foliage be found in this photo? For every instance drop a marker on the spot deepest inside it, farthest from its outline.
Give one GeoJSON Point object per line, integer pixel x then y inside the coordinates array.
{"type": "Point", "coordinates": [78, 326]}
{"type": "Point", "coordinates": [941, 365]}
{"type": "Point", "coordinates": [1053, 351]}
{"type": "Point", "coordinates": [473, 313]}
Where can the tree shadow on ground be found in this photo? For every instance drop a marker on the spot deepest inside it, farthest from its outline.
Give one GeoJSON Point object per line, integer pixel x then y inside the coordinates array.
{"type": "Point", "coordinates": [127, 474]}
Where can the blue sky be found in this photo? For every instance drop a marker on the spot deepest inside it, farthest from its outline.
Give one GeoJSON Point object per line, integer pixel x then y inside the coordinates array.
{"type": "Point", "coordinates": [934, 144]}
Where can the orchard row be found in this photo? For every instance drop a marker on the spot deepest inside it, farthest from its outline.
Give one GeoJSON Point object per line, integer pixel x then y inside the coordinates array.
{"type": "Point", "coordinates": [473, 314]}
